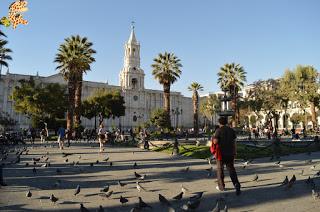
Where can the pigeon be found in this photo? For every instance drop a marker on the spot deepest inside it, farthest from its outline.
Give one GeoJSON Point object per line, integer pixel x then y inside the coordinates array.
{"type": "Point", "coordinates": [138, 176]}
{"type": "Point", "coordinates": [135, 165]}
{"type": "Point", "coordinates": [36, 159]}
{"type": "Point", "coordinates": [315, 195]}
{"type": "Point", "coordinates": [66, 154]}
{"type": "Point", "coordinates": [97, 162]}
{"type": "Point", "coordinates": [110, 164]}
{"type": "Point", "coordinates": [34, 163]}
{"type": "Point", "coordinates": [191, 205]}
{"type": "Point", "coordinates": [184, 189]}
{"type": "Point", "coordinates": [217, 207]}
{"type": "Point", "coordinates": [53, 198]}
{"type": "Point", "coordinates": [225, 208]}
{"type": "Point", "coordinates": [186, 169]}
{"type": "Point", "coordinates": [44, 165]}
{"type": "Point", "coordinates": [291, 182]}
{"type": "Point", "coordinates": [34, 170]}
{"type": "Point", "coordinates": [121, 184]}
{"type": "Point", "coordinates": [285, 181]}
{"type": "Point", "coordinates": [255, 178]}
{"type": "Point", "coordinates": [139, 187]}
{"type": "Point", "coordinates": [164, 200]}
{"type": "Point", "coordinates": [142, 204]}
{"type": "Point", "coordinates": [106, 159]}
{"type": "Point", "coordinates": [106, 195]}
{"type": "Point", "coordinates": [277, 163]}
{"type": "Point", "coordinates": [27, 164]}
{"type": "Point", "coordinates": [83, 209]}
{"type": "Point", "coordinates": [105, 189]}
{"type": "Point", "coordinates": [77, 191]}
{"type": "Point", "coordinates": [29, 194]}
{"type": "Point", "coordinates": [123, 200]}
{"type": "Point", "coordinates": [312, 167]}
{"type": "Point", "coordinates": [66, 160]}
{"type": "Point", "coordinates": [100, 209]}
{"type": "Point", "coordinates": [198, 195]}
{"type": "Point", "coordinates": [178, 197]}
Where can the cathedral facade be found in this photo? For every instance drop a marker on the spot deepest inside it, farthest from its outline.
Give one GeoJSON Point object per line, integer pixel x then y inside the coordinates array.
{"type": "Point", "coordinates": [139, 101]}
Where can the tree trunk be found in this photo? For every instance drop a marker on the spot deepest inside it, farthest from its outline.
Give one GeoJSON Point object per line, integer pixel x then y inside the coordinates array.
{"type": "Point", "coordinates": [195, 113]}
{"type": "Point", "coordinates": [166, 98]}
{"type": "Point", "coordinates": [313, 116]}
{"type": "Point", "coordinates": [71, 91]}
{"type": "Point", "coordinates": [77, 101]}
{"type": "Point", "coordinates": [235, 112]}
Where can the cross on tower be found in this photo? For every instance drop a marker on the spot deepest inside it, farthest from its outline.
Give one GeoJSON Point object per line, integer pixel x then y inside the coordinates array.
{"type": "Point", "coordinates": [132, 24]}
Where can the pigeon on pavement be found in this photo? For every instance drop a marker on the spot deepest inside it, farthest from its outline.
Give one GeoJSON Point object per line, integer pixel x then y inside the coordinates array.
{"type": "Point", "coordinates": [184, 189]}
{"type": "Point", "coordinates": [53, 198]}
{"type": "Point", "coordinates": [164, 200]}
{"type": "Point", "coordinates": [255, 178]}
{"type": "Point", "coordinates": [105, 189]}
{"type": "Point", "coordinates": [77, 191]}
{"type": "Point", "coordinates": [121, 184]}
{"type": "Point", "coordinates": [142, 204]}
{"type": "Point", "coordinates": [29, 194]}
{"type": "Point", "coordinates": [106, 195]}
{"type": "Point", "coordinates": [178, 197]}
{"type": "Point", "coordinates": [139, 187]}
{"type": "Point", "coordinates": [291, 182]}
{"type": "Point", "coordinates": [83, 209]}
{"type": "Point", "coordinates": [285, 181]}
{"type": "Point", "coordinates": [123, 200]}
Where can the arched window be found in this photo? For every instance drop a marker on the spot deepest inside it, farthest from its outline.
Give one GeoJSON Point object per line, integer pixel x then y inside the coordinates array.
{"type": "Point", "coordinates": [134, 83]}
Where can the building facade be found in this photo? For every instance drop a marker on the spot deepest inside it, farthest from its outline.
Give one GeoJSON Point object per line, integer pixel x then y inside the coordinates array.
{"type": "Point", "coordinates": [139, 101]}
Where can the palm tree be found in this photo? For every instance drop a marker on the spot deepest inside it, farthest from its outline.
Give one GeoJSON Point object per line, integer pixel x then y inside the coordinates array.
{"type": "Point", "coordinates": [166, 69]}
{"type": "Point", "coordinates": [231, 77]}
{"type": "Point", "coordinates": [195, 87]}
{"type": "Point", "coordinates": [74, 58]}
{"type": "Point", "coordinates": [4, 52]}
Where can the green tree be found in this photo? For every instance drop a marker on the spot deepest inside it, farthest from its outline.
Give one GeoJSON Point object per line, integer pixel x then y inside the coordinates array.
{"type": "Point", "coordinates": [166, 69]}
{"type": "Point", "coordinates": [158, 118]}
{"type": "Point", "coordinates": [195, 87]}
{"type": "Point", "coordinates": [210, 106]}
{"type": "Point", "coordinates": [40, 101]}
{"type": "Point", "coordinates": [74, 58]}
{"type": "Point", "coordinates": [231, 78]}
{"type": "Point", "coordinates": [106, 103]}
{"type": "Point", "coordinates": [4, 52]}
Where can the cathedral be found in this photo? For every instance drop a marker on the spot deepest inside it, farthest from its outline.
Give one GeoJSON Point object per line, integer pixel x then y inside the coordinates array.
{"type": "Point", "coordinates": [139, 101]}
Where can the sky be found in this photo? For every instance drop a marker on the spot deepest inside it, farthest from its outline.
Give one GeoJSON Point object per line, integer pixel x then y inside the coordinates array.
{"type": "Point", "coordinates": [265, 36]}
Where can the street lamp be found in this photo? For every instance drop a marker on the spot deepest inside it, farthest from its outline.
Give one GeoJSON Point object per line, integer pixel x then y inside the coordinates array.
{"type": "Point", "coordinates": [176, 112]}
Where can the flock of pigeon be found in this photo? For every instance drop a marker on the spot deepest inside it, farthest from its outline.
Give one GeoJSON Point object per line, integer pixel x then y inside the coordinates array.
{"type": "Point", "coordinates": [170, 204]}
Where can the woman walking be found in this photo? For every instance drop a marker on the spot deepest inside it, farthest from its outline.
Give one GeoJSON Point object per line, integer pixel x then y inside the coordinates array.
{"type": "Point", "coordinates": [102, 137]}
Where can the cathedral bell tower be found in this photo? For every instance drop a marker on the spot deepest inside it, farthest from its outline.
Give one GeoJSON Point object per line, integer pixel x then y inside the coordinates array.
{"type": "Point", "coordinates": [131, 75]}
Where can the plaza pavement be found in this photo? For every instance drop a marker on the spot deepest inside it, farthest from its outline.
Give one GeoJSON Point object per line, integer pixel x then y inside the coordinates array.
{"type": "Point", "coordinates": [164, 176]}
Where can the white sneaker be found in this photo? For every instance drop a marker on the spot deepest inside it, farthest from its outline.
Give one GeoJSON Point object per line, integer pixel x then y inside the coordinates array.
{"type": "Point", "coordinates": [217, 187]}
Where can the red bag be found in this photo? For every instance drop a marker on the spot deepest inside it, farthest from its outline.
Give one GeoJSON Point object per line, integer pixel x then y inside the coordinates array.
{"type": "Point", "coordinates": [215, 150]}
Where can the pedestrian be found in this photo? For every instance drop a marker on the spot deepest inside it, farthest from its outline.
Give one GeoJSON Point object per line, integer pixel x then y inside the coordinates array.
{"type": "Point", "coordinates": [102, 137]}
{"type": "Point", "coordinates": [33, 135]}
{"type": "Point", "coordinates": [43, 135]}
{"type": "Point", "coordinates": [225, 151]}
{"type": "Point", "coordinates": [61, 136]}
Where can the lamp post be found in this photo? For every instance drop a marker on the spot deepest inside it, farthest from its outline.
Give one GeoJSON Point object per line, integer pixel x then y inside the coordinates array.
{"type": "Point", "coordinates": [225, 99]}
{"type": "Point", "coordinates": [177, 111]}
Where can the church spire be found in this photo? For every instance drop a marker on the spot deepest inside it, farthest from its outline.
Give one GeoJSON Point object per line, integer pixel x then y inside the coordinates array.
{"type": "Point", "coordinates": [132, 38]}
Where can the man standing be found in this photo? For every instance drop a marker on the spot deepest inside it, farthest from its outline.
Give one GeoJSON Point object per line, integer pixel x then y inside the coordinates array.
{"type": "Point", "coordinates": [225, 138]}
{"type": "Point", "coordinates": [61, 136]}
